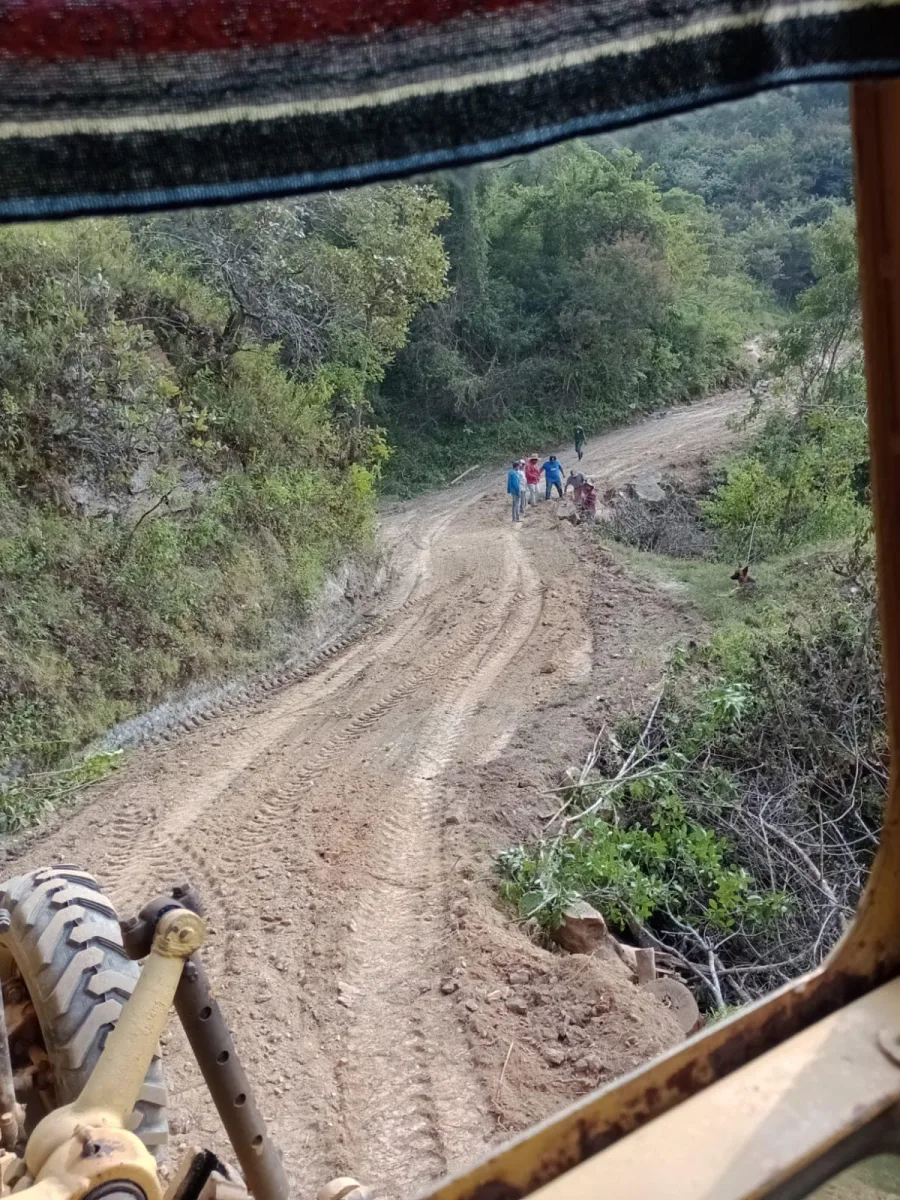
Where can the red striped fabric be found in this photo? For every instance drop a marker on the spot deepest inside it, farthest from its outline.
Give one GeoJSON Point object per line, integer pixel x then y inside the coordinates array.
{"type": "Point", "coordinates": [123, 105]}
{"type": "Point", "coordinates": [60, 30]}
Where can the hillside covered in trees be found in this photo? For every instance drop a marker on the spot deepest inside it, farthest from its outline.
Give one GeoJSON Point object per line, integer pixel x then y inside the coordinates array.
{"type": "Point", "coordinates": [198, 410]}
{"type": "Point", "coordinates": [602, 279]}
{"type": "Point", "coordinates": [773, 168]}
{"type": "Point", "coordinates": [185, 449]}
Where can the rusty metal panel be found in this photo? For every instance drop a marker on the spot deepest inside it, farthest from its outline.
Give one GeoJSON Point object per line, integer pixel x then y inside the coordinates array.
{"type": "Point", "coordinates": [759, 1128]}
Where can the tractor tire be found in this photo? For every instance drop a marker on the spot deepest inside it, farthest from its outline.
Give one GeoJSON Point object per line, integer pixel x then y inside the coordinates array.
{"type": "Point", "coordinates": [65, 944]}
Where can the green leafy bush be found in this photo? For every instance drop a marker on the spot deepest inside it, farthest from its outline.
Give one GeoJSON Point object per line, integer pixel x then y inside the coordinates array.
{"type": "Point", "coordinates": [800, 480]}
{"type": "Point", "coordinates": [179, 468]}
{"type": "Point", "coordinates": [666, 868]}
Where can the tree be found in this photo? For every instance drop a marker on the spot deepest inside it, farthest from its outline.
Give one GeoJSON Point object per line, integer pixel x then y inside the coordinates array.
{"type": "Point", "coordinates": [335, 281]}
{"type": "Point", "coordinates": [802, 476]}
{"type": "Point", "coordinates": [577, 286]}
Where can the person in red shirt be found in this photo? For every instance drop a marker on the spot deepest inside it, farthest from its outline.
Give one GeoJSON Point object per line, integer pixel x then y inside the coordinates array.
{"type": "Point", "coordinates": [589, 500]}
{"type": "Point", "coordinates": [532, 478]}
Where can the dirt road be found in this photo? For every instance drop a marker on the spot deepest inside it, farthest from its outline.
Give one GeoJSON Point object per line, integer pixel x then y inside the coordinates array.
{"type": "Point", "coordinates": [325, 826]}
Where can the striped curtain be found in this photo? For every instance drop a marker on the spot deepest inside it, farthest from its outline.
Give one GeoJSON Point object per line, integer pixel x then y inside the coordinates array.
{"type": "Point", "coordinates": [118, 105]}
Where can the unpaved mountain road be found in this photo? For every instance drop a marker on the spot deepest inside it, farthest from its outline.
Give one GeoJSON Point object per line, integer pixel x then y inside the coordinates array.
{"type": "Point", "coordinates": [315, 824]}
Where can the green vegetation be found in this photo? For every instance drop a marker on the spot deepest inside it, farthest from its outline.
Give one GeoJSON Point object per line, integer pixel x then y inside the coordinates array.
{"type": "Point", "coordinates": [185, 448]}
{"type": "Point", "coordinates": [667, 864]}
{"type": "Point", "coordinates": [773, 168]}
{"type": "Point", "coordinates": [23, 801]}
{"type": "Point", "coordinates": [600, 280]}
{"type": "Point", "coordinates": [581, 293]}
{"type": "Point", "coordinates": [197, 410]}
{"type": "Point", "coordinates": [736, 826]}
{"type": "Point", "coordinates": [741, 832]}
{"type": "Point", "coordinates": [806, 475]}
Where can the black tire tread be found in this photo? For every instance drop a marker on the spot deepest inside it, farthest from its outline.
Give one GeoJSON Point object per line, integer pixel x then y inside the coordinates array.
{"type": "Point", "coordinates": [64, 936]}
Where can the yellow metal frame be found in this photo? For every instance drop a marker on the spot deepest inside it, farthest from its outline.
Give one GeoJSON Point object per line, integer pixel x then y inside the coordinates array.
{"type": "Point", "coordinates": [86, 1144]}
{"type": "Point", "coordinates": [803, 1083]}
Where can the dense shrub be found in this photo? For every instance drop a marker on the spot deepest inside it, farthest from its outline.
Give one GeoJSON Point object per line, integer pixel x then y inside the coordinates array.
{"type": "Point", "coordinates": [174, 485]}
{"type": "Point", "coordinates": [736, 827]}
{"type": "Point", "coordinates": [581, 293]}
{"type": "Point", "coordinates": [804, 478]}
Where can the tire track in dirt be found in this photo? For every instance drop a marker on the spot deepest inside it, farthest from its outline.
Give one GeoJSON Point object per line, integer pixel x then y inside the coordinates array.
{"type": "Point", "coordinates": [312, 821]}
{"type": "Point", "coordinates": [160, 867]}
{"type": "Point", "coordinates": [412, 1103]}
{"type": "Point", "coordinates": [140, 857]}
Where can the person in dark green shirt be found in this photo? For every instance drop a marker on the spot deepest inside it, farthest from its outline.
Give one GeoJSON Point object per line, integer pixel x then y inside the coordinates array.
{"type": "Point", "coordinates": [579, 441]}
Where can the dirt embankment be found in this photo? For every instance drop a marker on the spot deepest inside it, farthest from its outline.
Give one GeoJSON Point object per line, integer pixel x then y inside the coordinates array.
{"type": "Point", "coordinates": [342, 829]}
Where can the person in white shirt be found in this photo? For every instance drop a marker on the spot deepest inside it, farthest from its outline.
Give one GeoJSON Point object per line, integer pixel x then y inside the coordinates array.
{"type": "Point", "coordinates": [523, 484]}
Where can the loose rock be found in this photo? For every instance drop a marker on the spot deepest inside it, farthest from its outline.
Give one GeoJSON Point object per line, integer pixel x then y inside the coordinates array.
{"type": "Point", "coordinates": [583, 929]}
{"type": "Point", "coordinates": [648, 489]}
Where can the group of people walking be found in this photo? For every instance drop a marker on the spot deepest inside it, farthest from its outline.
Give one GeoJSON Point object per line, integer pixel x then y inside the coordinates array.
{"type": "Point", "coordinates": [524, 478]}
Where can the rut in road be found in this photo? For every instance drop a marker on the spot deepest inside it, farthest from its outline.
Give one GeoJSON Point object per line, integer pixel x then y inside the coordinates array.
{"type": "Point", "coordinates": [312, 822]}
{"type": "Point", "coordinates": [441, 1113]}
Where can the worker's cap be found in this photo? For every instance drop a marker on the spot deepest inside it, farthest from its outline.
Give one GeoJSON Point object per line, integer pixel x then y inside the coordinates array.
{"type": "Point", "coordinates": [532, 458]}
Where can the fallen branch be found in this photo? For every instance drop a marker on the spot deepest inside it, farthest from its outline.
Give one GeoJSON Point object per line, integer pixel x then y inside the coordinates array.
{"type": "Point", "coordinates": [714, 967]}
{"type": "Point", "coordinates": [587, 766]}
{"type": "Point", "coordinates": [642, 934]}
{"type": "Point", "coordinates": [464, 474]}
{"type": "Point", "coordinates": [164, 499]}
{"type": "Point", "coordinates": [631, 760]}
{"type": "Point", "coordinates": [642, 740]}
{"type": "Point", "coordinates": [805, 859]}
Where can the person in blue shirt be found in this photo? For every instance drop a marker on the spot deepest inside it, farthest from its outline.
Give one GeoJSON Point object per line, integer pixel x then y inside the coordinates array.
{"type": "Point", "coordinates": [514, 489]}
{"type": "Point", "coordinates": [553, 476]}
